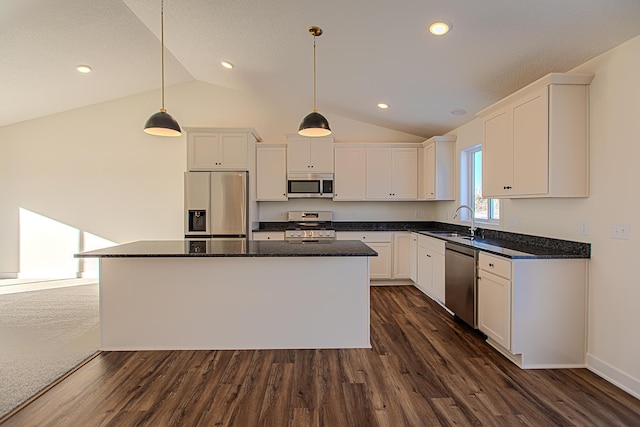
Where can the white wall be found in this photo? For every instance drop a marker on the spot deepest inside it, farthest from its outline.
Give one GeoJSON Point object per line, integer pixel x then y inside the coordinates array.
{"type": "Point", "coordinates": [351, 211]}
{"type": "Point", "coordinates": [614, 288]}
{"type": "Point", "coordinates": [94, 170]}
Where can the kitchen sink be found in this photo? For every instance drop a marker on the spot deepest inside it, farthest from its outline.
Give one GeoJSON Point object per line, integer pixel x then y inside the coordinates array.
{"type": "Point", "coordinates": [449, 234]}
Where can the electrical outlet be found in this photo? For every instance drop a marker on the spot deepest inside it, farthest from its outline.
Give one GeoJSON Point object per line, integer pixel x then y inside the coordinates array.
{"type": "Point", "coordinates": [620, 231]}
{"type": "Point", "coordinates": [354, 214]}
{"type": "Point", "coordinates": [418, 214]}
{"type": "Point", "coordinates": [281, 214]}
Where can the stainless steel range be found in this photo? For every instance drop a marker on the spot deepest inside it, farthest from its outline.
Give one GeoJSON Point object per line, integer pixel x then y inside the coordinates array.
{"type": "Point", "coordinates": [310, 226]}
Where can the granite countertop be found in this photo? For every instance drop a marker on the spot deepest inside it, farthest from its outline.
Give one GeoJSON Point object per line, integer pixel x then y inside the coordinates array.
{"type": "Point", "coordinates": [231, 248]}
{"type": "Point", "coordinates": [510, 249]}
{"type": "Point", "coordinates": [506, 244]}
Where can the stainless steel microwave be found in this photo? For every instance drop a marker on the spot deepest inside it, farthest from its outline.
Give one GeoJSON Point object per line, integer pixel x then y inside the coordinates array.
{"type": "Point", "coordinates": [310, 185]}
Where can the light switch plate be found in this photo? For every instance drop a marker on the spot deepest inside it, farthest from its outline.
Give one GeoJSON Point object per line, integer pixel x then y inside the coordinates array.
{"type": "Point", "coordinates": [584, 228]}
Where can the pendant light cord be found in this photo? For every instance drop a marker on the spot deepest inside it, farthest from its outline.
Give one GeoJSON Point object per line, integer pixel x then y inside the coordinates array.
{"type": "Point", "coordinates": [314, 74]}
{"type": "Point", "coordinates": [162, 42]}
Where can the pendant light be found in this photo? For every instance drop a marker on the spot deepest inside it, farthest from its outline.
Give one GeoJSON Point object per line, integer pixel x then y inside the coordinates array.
{"type": "Point", "coordinates": [314, 124]}
{"type": "Point", "coordinates": [161, 123]}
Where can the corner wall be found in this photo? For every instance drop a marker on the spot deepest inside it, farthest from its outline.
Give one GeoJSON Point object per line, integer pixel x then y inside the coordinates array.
{"type": "Point", "coordinates": [614, 287]}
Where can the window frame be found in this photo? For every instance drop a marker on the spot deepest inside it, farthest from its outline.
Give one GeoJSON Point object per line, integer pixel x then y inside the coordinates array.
{"type": "Point", "coordinates": [467, 183]}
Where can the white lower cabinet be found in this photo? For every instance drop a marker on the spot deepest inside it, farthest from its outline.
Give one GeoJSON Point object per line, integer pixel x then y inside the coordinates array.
{"type": "Point", "coordinates": [401, 252]}
{"type": "Point", "coordinates": [393, 248]}
{"type": "Point", "coordinates": [494, 308]}
{"type": "Point", "coordinates": [380, 266]}
{"type": "Point", "coordinates": [534, 310]}
{"type": "Point", "coordinates": [413, 257]}
{"type": "Point", "coordinates": [268, 235]}
{"type": "Point", "coordinates": [430, 266]}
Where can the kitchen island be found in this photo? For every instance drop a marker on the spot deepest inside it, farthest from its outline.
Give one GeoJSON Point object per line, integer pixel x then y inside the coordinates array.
{"type": "Point", "coordinates": [233, 294]}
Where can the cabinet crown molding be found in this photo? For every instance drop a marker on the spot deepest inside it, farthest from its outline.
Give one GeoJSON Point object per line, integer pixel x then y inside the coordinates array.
{"type": "Point", "coordinates": [549, 79]}
{"type": "Point", "coordinates": [208, 129]}
{"type": "Point", "coordinates": [444, 138]}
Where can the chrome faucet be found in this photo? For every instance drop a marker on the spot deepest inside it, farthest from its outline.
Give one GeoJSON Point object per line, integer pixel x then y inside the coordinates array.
{"type": "Point", "coordinates": [472, 229]}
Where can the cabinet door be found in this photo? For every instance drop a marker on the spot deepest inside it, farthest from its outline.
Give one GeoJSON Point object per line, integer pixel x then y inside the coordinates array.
{"type": "Point", "coordinates": [380, 266]}
{"type": "Point", "coordinates": [202, 151]}
{"type": "Point", "coordinates": [233, 151]}
{"type": "Point", "coordinates": [298, 155]}
{"type": "Point", "coordinates": [531, 144]}
{"type": "Point", "coordinates": [378, 174]}
{"type": "Point", "coordinates": [497, 155]}
{"type": "Point", "coordinates": [430, 172]}
{"type": "Point", "coordinates": [413, 258]}
{"type": "Point", "coordinates": [425, 271]}
{"type": "Point", "coordinates": [271, 173]}
{"type": "Point", "coordinates": [401, 255]}
{"type": "Point", "coordinates": [321, 155]}
{"type": "Point", "coordinates": [494, 308]}
{"type": "Point", "coordinates": [437, 264]}
{"type": "Point", "coordinates": [349, 176]}
{"type": "Point", "coordinates": [405, 173]}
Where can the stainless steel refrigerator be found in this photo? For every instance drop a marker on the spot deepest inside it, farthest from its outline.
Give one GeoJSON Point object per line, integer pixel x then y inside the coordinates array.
{"type": "Point", "coordinates": [216, 205]}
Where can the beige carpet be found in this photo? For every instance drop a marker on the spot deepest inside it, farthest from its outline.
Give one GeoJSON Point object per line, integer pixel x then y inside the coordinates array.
{"type": "Point", "coordinates": [44, 334]}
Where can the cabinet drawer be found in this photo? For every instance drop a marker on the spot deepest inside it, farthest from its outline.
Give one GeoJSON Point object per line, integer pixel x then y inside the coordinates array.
{"type": "Point", "coordinates": [496, 265]}
{"type": "Point", "coordinates": [366, 236]}
{"type": "Point", "coordinates": [268, 235]}
{"type": "Point", "coordinates": [435, 245]}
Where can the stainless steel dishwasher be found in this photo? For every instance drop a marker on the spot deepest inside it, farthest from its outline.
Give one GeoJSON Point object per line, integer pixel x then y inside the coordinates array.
{"type": "Point", "coordinates": [460, 281]}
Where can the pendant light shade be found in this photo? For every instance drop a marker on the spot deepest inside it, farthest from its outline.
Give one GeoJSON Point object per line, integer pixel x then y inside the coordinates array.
{"type": "Point", "coordinates": [314, 124]}
{"type": "Point", "coordinates": [162, 123]}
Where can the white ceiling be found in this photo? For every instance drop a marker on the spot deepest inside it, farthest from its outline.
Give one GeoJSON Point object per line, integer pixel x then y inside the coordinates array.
{"type": "Point", "coordinates": [371, 51]}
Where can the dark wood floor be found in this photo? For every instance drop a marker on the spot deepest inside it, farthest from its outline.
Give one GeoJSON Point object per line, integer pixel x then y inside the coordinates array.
{"type": "Point", "coordinates": [424, 369]}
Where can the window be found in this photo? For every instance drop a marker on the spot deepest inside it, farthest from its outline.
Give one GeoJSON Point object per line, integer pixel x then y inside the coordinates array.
{"type": "Point", "coordinates": [485, 210]}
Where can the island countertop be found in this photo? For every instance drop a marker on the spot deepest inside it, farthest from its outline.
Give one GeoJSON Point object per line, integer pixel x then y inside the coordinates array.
{"type": "Point", "coordinates": [232, 248]}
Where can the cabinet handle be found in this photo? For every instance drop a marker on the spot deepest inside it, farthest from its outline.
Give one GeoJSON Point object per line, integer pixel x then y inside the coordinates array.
{"type": "Point", "coordinates": [428, 256]}
{"type": "Point", "coordinates": [491, 265]}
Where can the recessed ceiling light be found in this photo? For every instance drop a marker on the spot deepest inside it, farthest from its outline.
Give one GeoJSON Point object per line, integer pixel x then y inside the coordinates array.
{"type": "Point", "coordinates": [439, 28]}
{"type": "Point", "coordinates": [383, 106]}
{"type": "Point", "coordinates": [84, 69]}
{"type": "Point", "coordinates": [458, 111]}
{"type": "Point", "coordinates": [227, 64]}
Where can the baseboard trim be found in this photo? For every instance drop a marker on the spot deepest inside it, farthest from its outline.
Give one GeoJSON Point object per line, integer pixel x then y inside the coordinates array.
{"type": "Point", "coordinates": [390, 282]}
{"type": "Point", "coordinates": [614, 375]}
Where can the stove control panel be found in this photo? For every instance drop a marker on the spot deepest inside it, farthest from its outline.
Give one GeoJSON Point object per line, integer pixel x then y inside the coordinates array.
{"type": "Point", "coordinates": [310, 234]}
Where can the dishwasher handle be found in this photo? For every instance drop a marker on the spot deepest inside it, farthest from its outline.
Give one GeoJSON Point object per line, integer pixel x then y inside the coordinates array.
{"type": "Point", "coordinates": [465, 250]}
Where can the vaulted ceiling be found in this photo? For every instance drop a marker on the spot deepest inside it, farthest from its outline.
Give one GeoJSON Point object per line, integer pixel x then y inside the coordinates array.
{"type": "Point", "coordinates": [371, 51]}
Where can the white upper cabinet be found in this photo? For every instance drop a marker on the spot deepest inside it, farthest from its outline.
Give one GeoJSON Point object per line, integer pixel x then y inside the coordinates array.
{"type": "Point", "coordinates": [309, 155]}
{"type": "Point", "coordinates": [271, 172]}
{"type": "Point", "coordinates": [212, 149]}
{"type": "Point", "coordinates": [391, 173]}
{"type": "Point", "coordinates": [436, 169]}
{"type": "Point", "coordinates": [536, 141]}
{"type": "Point", "coordinates": [349, 175]}
{"type": "Point", "coordinates": [217, 150]}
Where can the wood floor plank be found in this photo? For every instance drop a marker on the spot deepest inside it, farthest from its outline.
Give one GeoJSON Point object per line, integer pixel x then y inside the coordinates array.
{"type": "Point", "coordinates": [424, 369]}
